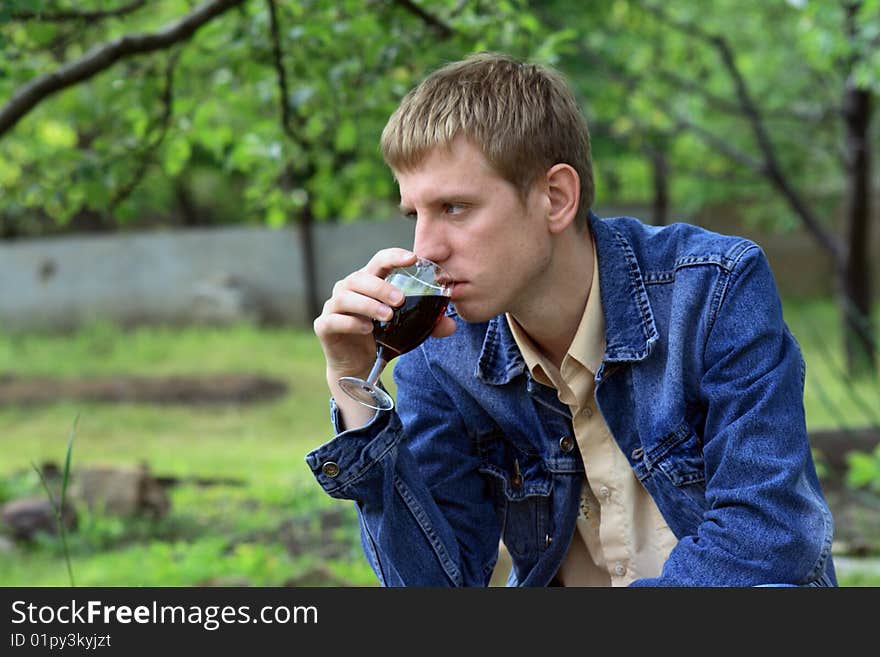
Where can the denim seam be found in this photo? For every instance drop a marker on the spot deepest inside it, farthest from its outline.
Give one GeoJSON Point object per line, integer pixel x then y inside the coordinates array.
{"type": "Point", "coordinates": [666, 444]}
{"type": "Point", "coordinates": [449, 565]}
{"type": "Point", "coordinates": [709, 260]}
{"type": "Point", "coordinates": [719, 293]}
{"type": "Point", "coordinates": [640, 294]}
{"type": "Point", "coordinates": [380, 573]}
{"type": "Point", "coordinates": [821, 559]}
{"type": "Point", "coordinates": [534, 491]}
{"type": "Point", "coordinates": [421, 518]}
{"type": "Point", "coordinates": [486, 360]}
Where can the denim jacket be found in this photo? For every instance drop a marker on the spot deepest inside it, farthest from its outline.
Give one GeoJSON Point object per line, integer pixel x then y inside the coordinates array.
{"type": "Point", "coordinates": [701, 385]}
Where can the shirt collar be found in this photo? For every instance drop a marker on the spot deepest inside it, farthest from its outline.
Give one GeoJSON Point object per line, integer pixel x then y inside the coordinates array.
{"type": "Point", "coordinates": [587, 346]}
{"type": "Point", "coordinates": [630, 331]}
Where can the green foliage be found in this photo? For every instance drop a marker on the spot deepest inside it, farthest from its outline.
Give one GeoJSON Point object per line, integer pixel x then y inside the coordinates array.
{"type": "Point", "coordinates": [114, 144]}
{"type": "Point", "coordinates": [864, 470]}
{"type": "Point", "coordinates": [653, 80]}
{"type": "Point", "coordinates": [203, 120]}
{"type": "Point", "coordinates": [18, 484]}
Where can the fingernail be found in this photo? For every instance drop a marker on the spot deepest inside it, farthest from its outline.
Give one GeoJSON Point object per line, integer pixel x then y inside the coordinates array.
{"type": "Point", "coordinates": [396, 296]}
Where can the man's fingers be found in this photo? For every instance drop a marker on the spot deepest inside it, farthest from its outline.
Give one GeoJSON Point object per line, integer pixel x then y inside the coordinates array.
{"type": "Point", "coordinates": [387, 259]}
{"type": "Point", "coordinates": [368, 286]}
{"type": "Point", "coordinates": [348, 302]}
{"type": "Point", "coordinates": [337, 324]}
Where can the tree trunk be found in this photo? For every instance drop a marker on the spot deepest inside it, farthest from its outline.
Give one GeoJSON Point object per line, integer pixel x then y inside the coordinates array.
{"type": "Point", "coordinates": [861, 351]}
{"type": "Point", "coordinates": [855, 283]}
{"type": "Point", "coordinates": [660, 172]}
{"type": "Point", "coordinates": [188, 212]}
{"type": "Point", "coordinates": [305, 231]}
{"type": "Point", "coordinates": [307, 248]}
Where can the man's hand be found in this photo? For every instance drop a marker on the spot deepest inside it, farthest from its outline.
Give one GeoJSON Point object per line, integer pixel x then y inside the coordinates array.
{"type": "Point", "coordinates": [345, 326]}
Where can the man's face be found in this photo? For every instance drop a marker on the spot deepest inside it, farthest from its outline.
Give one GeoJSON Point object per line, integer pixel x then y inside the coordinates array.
{"type": "Point", "coordinates": [475, 225]}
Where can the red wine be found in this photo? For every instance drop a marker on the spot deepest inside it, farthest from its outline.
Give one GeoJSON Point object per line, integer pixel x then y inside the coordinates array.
{"type": "Point", "coordinates": [411, 324]}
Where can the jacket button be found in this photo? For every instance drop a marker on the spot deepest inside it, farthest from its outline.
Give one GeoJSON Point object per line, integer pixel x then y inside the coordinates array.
{"type": "Point", "coordinates": [517, 480]}
{"type": "Point", "coordinates": [637, 453]}
{"type": "Point", "coordinates": [566, 444]}
{"type": "Point", "coordinates": [330, 469]}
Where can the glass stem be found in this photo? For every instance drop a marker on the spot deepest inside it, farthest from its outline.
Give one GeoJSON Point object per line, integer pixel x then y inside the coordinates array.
{"type": "Point", "coordinates": [378, 366]}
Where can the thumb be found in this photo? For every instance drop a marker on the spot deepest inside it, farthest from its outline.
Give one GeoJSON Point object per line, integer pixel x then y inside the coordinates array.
{"type": "Point", "coordinates": [444, 327]}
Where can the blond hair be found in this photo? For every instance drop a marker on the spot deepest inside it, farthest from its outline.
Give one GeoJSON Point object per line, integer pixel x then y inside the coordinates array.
{"type": "Point", "coordinates": [523, 117]}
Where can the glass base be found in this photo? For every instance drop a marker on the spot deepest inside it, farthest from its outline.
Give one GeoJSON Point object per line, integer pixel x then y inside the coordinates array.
{"type": "Point", "coordinates": [366, 394]}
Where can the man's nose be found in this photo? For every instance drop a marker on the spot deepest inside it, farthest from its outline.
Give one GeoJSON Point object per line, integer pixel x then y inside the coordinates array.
{"type": "Point", "coordinates": [429, 241]}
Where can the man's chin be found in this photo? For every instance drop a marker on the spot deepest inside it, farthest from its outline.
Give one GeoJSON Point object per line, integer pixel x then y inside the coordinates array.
{"type": "Point", "coordinates": [474, 315]}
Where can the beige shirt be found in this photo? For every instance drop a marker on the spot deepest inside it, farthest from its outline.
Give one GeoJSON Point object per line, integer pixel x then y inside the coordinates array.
{"type": "Point", "coordinates": [620, 533]}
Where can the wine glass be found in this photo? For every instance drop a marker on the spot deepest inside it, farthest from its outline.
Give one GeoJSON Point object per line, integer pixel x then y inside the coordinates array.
{"type": "Point", "coordinates": [426, 288]}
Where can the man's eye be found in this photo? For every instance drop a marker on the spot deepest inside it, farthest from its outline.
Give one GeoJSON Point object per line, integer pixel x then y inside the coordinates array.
{"type": "Point", "coordinates": [411, 214]}
{"type": "Point", "coordinates": [453, 208]}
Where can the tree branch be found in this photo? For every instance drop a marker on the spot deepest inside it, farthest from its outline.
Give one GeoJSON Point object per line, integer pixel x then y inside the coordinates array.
{"type": "Point", "coordinates": [726, 106]}
{"type": "Point", "coordinates": [147, 151]}
{"type": "Point", "coordinates": [631, 83]}
{"type": "Point", "coordinates": [771, 166]}
{"type": "Point", "coordinates": [65, 16]}
{"type": "Point", "coordinates": [103, 57]}
{"type": "Point", "coordinates": [281, 74]}
{"type": "Point", "coordinates": [444, 31]}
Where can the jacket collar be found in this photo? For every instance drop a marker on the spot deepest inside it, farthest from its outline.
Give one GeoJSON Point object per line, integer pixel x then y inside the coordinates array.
{"type": "Point", "coordinates": [630, 330]}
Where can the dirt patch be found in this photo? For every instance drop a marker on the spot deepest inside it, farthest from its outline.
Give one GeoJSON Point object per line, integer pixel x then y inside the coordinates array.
{"type": "Point", "coordinates": [215, 389]}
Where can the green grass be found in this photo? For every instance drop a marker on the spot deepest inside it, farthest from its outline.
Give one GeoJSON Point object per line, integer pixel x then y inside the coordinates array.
{"type": "Point", "coordinates": [214, 536]}
{"type": "Point", "coordinates": [264, 441]}
{"type": "Point", "coordinates": [830, 398]}
{"type": "Point", "coordinates": [261, 444]}
{"type": "Point", "coordinates": [277, 526]}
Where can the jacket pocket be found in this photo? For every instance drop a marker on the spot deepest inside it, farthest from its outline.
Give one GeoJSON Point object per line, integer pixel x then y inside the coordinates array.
{"type": "Point", "coordinates": [674, 472]}
{"type": "Point", "coordinates": [520, 486]}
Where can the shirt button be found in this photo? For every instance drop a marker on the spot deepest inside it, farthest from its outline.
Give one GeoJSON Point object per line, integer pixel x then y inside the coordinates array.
{"type": "Point", "coordinates": [604, 491]}
{"type": "Point", "coordinates": [587, 412]}
{"type": "Point", "coordinates": [619, 569]}
{"type": "Point", "coordinates": [330, 469]}
{"type": "Point", "coordinates": [566, 444]}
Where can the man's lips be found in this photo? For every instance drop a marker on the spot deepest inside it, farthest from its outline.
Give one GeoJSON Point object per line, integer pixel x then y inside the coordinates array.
{"type": "Point", "coordinates": [456, 289]}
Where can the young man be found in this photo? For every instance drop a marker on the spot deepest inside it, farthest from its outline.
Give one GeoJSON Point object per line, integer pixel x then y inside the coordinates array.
{"type": "Point", "coordinates": [618, 404]}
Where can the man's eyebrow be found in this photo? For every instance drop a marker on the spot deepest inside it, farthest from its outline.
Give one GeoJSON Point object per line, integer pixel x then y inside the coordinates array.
{"type": "Point", "coordinates": [466, 198]}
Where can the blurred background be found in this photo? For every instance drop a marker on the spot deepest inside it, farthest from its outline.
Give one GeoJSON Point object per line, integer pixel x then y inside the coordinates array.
{"type": "Point", "coordinates": [182, 181]}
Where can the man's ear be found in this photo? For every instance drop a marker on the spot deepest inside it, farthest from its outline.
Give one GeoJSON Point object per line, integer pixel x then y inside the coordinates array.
{"type": "Point", "coordinates": [564, 190]}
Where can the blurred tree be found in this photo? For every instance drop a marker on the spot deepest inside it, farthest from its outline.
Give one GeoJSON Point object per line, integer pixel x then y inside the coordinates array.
{"type": "Point", "coordinates": [110, 113]}
{"type": "Point", "coordinates": [688, 102]}
{"type": "Point", "coordinates": [735, 99]}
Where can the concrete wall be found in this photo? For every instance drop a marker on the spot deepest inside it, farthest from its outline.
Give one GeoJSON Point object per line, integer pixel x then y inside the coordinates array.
{"type": "Point", "coordinates": [229, 274]}
{"type": "Point", "coordinates": [178, 276]}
